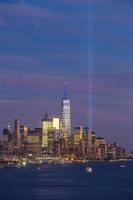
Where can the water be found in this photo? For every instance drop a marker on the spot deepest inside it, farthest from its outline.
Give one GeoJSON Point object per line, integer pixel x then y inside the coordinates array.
{"type": "Point", "coordinates": [69, 181]}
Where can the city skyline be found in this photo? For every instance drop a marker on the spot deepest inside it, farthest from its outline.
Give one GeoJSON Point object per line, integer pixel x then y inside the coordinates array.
{"type": "Point", "coordinates": [44, 44]}
{"type": "Point", "coordinates": [62, 124]}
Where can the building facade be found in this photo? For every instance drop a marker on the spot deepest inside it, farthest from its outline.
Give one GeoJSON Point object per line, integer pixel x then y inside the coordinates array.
{"type": "Point", "coordinates": [65, 122]}
{"type": "Point", "coordinates": [17, 135]}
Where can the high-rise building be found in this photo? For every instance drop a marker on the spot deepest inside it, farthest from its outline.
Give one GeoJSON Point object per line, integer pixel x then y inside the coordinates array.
{"type": "Point", "coordinates": [33, 137]}
{"type": "Point", "coordinates": [56, 122]}
{"type": "Point", "coordinates": [24, 133]}
{"type": "Point", "coordinates": [89, 137]}
{"type": "Point", "coordinates": [33, 143]}
{"type": "Point", "coordinates": [53, 138]}
{"type": "Point", "coordinates": [17, 136]}
{"type": "Point", "coordinates": [7, 136]}
{"type": "Point", "coordinates": [77, 135]}
{"type": "Point", "coordinates": [47, 123]}
{"type": "Point", "coordinates": [65, 123]}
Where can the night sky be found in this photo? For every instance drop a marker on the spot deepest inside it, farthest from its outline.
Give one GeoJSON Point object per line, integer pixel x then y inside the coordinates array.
{"type": "Point", "coordinates": [44, 43]}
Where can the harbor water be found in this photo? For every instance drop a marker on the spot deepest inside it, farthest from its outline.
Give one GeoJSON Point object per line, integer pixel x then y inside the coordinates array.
{"type": "Point", "coordinates": [107, 181]}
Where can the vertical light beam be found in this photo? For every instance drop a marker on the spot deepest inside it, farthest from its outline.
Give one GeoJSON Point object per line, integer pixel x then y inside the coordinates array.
{"type": "Point", "coordinates": [90, 61]}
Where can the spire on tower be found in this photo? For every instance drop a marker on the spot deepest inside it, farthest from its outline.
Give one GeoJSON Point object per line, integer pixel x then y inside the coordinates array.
{"type": "Point", "coordinates": [65, 90]}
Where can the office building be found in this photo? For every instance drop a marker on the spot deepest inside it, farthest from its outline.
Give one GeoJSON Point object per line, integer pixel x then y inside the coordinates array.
{"type": "Point", "coordinates": [17, 136]}
{"type": "Point", "coordinates": [24, 133]}
{"type": "Point", "coordinates": [77, 135]}
{"type": "Point", "coordinates": [56, 123]}
{"type": "Point", "coordinates": [6, 135]}
{"type": "Point", "coordinates": [65, 123]}
{"type": "Point", "coordinates": [47, 123]}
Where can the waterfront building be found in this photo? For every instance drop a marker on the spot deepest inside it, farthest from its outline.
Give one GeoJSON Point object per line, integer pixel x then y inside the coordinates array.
{"type": "Point", "coordinates": [87, 140]}
{"type": "Point", "coordinates": [65, 122]}
{"type": "Point", "coordinates": [56, 148]}
{"type": "Point", "coordinates": [33, 142]}
{"type": "Point", "coordinates": [120, 152]}
{"type": "Point", "coordinates": [130, 154]}
{"type": "Point", "coordinates": [63, 141]}
{"type": "Point", "coordinates": [111, 152]}
{"type": "Point", "coordinates": [53, 136]}
{"type": "Point", "coordinates": [99, 154]}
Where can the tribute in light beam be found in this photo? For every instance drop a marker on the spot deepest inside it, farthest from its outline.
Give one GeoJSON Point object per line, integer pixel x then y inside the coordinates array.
{"type": "Point", "coordinates": [90, 60]}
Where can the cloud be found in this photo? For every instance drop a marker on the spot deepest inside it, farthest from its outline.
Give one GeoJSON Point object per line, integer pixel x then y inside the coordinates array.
{"type": "Point", "coordinates": [43, 82]}
{"type": "Point", "coordinates": [16, 59]}
{"type": "Point", "coordinates": [118, 41]}
{"type": "Point", "coordinates": [122, 12]}
{"type": "Point", "coordinates": [49, 21]}
{"type": "Point", "coordinates": [24, 10]}
{"type": "Point", "coordinates": [17, 62]}
{"type": "Point", "coordinates": [46, 62]}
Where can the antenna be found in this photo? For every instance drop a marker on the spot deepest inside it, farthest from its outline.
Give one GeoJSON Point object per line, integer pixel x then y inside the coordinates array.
{"type": "Point", "coordinates": [65, 89]}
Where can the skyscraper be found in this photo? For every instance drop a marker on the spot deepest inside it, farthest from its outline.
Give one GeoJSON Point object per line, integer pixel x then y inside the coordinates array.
{"type": "Point", "coordinates": [24, 133]}
{"type": "Point", "coordinates": [77, 135]}
{"type": "Point", "coordinates": [56, 122]}
{"type": "Point", "coordinates": [47, 123]}
{"type": "Point", "coordinates": [17, 136]}
{"type": "Point", "coordinates": [65, 123]}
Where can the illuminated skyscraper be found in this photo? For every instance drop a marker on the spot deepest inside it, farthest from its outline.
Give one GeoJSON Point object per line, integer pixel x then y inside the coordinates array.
{"type": "Point", "coordinates": [65, 123]}
{"type": "Point", "coordinates": [56, 122]}
{"type": "Point", "coordinates": [47, 123]}
{"type": "Point", "coordinates": [78, 135]}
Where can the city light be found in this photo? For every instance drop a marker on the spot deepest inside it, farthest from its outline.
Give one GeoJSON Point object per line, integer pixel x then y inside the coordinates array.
{"type": "Point", "coordinates": [56, 142]}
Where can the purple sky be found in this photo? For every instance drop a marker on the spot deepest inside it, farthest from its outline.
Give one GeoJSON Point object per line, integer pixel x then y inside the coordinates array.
{"type": "Point", "coordinates": [44, 43]}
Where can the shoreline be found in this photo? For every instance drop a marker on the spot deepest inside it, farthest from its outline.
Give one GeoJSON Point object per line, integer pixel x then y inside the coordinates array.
{"type": "Point", "coordinates": [24, 162]}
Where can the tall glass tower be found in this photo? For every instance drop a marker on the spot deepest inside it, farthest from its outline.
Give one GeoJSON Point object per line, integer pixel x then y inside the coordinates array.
{"type": "Point", "coordinates": [65, 122]}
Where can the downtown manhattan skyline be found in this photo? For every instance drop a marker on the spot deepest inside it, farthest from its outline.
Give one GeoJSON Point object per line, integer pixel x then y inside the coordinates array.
{"type": "Point", "coordinates": [46, 43]}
